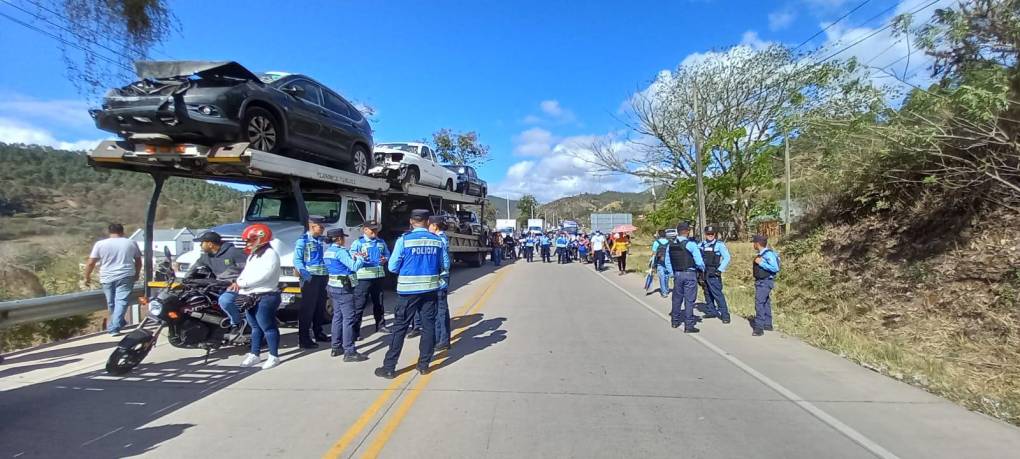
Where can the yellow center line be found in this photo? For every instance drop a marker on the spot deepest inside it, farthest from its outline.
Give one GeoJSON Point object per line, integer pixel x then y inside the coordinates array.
{"type": "Point", "coordinates": [377, 445]}
{"type": "Point", "coordinates": [366, 417]}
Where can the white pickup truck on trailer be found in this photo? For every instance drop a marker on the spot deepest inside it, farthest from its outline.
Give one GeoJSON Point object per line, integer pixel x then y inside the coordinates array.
{"type": "Point", "coordinates": [289, 191]}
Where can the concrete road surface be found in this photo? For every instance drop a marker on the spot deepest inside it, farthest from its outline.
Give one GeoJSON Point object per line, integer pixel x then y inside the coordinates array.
{"type": "Point", "coordinates": [549, 361]}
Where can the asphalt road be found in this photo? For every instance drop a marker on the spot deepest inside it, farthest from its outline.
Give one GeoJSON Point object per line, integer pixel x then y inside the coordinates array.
{"type": "Point", "coordinates": [548, 361]}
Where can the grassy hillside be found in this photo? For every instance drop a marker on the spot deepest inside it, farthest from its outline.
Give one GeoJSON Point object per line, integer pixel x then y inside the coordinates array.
{"type": "Point", "coordinates": [53, 206]}
{"type": "Point", "coordinates": [579, 207]}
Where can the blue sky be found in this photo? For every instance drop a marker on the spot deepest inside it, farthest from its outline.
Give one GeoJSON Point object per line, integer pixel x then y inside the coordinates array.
{"type": "Point", "coordinates": [537, 79]}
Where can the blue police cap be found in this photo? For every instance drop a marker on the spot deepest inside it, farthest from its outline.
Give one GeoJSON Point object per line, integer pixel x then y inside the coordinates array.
{"type": "Point", "coordinates": [335, 233]}
{"type": "Point", "coordinates": [420, 214]}
{"type": "Point", "coordinates": [683, 226]}
{"type": "Point", "coordinates": [709, 229]}
{"type": "Point", "coordinates": [318, 219]}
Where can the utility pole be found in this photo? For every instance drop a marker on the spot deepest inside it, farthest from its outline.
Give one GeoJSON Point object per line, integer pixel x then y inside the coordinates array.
{"type": "Point", "coordinates": [508, 206]}
{"type": "Point", "coordinates": [786, 161]}
{"type": "Point", "coordinates": [700, 181]}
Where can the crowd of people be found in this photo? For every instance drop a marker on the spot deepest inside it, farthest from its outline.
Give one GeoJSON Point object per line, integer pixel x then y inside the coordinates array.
{"type": "Point", "coordinates": [595, 248]}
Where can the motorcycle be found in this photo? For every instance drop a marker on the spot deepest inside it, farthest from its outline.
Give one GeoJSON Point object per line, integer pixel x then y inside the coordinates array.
{"type": "Point", "coordinates": [190, 312]}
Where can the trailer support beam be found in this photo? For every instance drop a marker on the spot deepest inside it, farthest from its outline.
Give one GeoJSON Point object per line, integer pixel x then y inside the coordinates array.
{"type": "Point", "coordinates": [150, 224]}
{"type": "Point", "coordinates": [299, 198]}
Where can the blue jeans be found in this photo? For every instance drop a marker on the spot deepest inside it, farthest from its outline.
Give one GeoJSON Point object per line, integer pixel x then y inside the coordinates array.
{"type": "Point", "coordinates": [345, 318]}
{"type": "Point", "coordinates": [262, 319]}
{"type": "Point", "coordinates": [228, 303]}
{"type": "Point", "coordinates": [715, 300]}
{"type": "Point", "coordinates": [402, 318]}
{"type": "Point", "coordinates": [685, 293]}
{"type": "Point", "coordinates": [663, 279]}
{"type": "Point", "coordinates": [442, 318]}
{"type": "Point", "coordinates": [763, 303]}
{"type": "Point", "coordinates": [497, 256]}
{"type": "Point", "coordinates": [117, 293]}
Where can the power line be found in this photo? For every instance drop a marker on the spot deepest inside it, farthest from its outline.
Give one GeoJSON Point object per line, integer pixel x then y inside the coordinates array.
{"type": "Point", "coordinates": [65, 41]}
{"type": "Point", "coordinates": [58, 14]}
{"type": "Point", "coordinates": [844, 16]}
{"type": "Point", "coordinates": [65, 29]}
{"type": "Point", "coordinates": [876, 32]}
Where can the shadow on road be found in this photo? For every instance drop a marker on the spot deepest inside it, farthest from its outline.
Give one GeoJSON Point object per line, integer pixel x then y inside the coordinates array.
{"type": "Point", "coordinates": [478, 337]}
{"type": "Point", "coordinates": [97, 415]}
{"type": "Point", "coordinates": [8, 372]}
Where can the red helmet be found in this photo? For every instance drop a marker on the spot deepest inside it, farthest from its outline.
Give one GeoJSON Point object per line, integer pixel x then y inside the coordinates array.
{"type": "Point", "coordinates": [256, 236]}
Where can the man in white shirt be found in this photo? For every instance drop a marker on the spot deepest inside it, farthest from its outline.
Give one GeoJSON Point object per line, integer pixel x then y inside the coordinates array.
{"type": "Point", "coordinates": [598, 245]}
{"type": "Point", "coordinates": [119, 261]}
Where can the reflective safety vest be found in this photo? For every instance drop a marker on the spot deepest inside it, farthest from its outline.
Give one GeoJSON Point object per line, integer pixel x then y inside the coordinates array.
{"type": "Point", "coordinates": [340, 275]}
{"type": "Point", "coordinates": [421, 263]}
{"type": "Point", "coordinates": [376, 248]}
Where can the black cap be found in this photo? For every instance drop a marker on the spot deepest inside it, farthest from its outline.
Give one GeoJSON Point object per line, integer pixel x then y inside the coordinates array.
{"type": "Point", "coordinates": [435, 220]}
{"type": "Point", "coordinates": [372, 225]}
{"type": "Point", "coordinates": [319, 219]}
{"type": "Point", "coordinates": [683, 226]}
{"type": "Point", "coordinates": [335, 233]}
{"type": "Point", "coordinates": [209, 236]}
{"type": "Point", "coordinates": [760, 239]}
{"type": "Point", "coordinates": [420, 214]}
{"type": "Point", "coordinates": [709, 229]}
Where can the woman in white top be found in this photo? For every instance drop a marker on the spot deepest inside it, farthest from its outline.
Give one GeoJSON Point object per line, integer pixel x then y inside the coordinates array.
{"type": "Point", "coordinates": [261, 279]}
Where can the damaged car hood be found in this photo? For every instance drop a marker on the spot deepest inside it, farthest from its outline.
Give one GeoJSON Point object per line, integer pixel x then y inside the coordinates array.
{"type": "Point", "coordinates": [205, 69]}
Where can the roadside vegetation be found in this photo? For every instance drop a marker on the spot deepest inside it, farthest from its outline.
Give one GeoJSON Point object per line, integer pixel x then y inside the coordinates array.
{"type": "Point", "coordinates": [53, 208]}
{"type": "Point", "coordinates": [906, 257]}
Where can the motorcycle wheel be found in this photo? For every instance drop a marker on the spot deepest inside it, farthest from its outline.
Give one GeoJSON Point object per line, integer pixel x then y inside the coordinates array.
{"type": "Point", "coordinates": [129, 353]}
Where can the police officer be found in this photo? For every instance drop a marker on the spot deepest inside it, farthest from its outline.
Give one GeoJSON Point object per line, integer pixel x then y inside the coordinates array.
{"type": "Point", "coordinates": [529, 247]}
{"type": "Point", "coordinates": [561, 248]}
{"type": "Point", "coordinates": [764, 269]}
{"type": "Point", "coordinates": [717, 258]}
{"type": "Point", "coordinates": [685, 261]}
{"type": "Point", "coordinates": [308, 261]}
{"type": "Point", "coordinates": [226, 262]}
{"type": "Point", "coordinates": [342, 265]}
{"type": "Point", "coordinates": [544, 243]}
{"type": "Point", "coordinates": [421, 264]}
{"type": "Point", "coordinates": [371, 276]}
{"type": "Point", "coordinates": [437, 226]}
{"type": "Point", "coordinates": [662, 268]}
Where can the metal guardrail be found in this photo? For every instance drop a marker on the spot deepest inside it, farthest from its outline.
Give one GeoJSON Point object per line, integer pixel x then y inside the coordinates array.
{"type": "Point", "coordinates": [56, 306]}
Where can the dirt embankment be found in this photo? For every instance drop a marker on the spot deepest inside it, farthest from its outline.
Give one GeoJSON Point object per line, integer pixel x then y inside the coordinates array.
{"type": "Point", "coordinates": [933, 301]}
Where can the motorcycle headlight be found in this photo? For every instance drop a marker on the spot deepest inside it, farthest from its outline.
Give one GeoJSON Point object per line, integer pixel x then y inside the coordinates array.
{"type": "Point", "coordinates": [155, 307]}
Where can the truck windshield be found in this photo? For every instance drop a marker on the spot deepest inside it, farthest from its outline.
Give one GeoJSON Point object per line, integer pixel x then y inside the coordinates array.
{"type": "Point", "coordinates": [399, 146]}
{"type": "Point", "coordinates": [284, 208]}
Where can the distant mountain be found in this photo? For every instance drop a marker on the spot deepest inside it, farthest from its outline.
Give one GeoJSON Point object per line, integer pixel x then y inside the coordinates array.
{"type": "Point", "coordinates": [499, 205]}
{"type": "Point", "coordinates": [580, 207]}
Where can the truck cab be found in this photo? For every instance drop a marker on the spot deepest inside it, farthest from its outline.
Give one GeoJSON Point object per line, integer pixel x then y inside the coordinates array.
{"type": "Point", "coordinates": [279, 210]}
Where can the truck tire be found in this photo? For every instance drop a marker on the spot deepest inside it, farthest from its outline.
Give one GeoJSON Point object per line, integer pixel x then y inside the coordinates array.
{"type": "Point", "coordinates": [449, 185]}
{"type": "Point", "coordinates": [410, 179]}
{"type": "Point", "coordinates": [477, 260]}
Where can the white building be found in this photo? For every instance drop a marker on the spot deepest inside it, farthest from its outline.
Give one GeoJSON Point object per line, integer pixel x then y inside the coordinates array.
{"type": "Point", "coordinates": [179, 241]}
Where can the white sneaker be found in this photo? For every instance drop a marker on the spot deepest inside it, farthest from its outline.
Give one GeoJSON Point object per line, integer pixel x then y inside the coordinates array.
{"type": "Point", "coordinates": [271, 362]}
{"type": "Point", "coordinates": [250, 360]}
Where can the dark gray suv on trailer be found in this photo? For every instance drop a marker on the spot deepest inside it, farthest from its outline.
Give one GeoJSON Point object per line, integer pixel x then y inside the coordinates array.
{"type": "Point", "coordinates": [211, 102]}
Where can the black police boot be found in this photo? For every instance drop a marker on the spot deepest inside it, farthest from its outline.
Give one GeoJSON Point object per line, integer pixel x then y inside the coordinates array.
{"type": "Point", "coordinates": [710, 315]}
{"type": "Point", "coordinates": [383, 329]}
{"type": "Point", "coordinates": [757, 332]}
{"type": "Point", "coordinates": [384, 372]}
{"type": "Point", "coordinates": [423, 371]}
{"type": "Point", "coordinates": [322, 338]}
{"type": "Point", "coordinates": [355, 357]}
{"type": "Point", "coordinates": [336, 352]}
{"type": "Point", "coordinates": [691, 330]}
{"type": "Point", "coordinates": [726, 320]}
{"type": "Point", "coordinates": [767, 328]}
{"type": "Point", "coordinates": [674, 325]}
{"type": "Point", "coordinates": [414, 333]}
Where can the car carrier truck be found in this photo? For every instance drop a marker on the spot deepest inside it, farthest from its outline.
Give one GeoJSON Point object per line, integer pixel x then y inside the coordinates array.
{"type": "Point", "coordinates": [288, 191]}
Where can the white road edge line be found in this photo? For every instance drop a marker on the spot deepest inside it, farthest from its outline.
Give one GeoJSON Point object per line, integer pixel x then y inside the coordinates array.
{"type": "Point", "coordinates": [836, 424]}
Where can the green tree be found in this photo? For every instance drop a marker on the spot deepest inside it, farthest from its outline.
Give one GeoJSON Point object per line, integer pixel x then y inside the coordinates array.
{"type": "Point", "coordinates": [526, 206]}
{"type": "Point", "coordinates": [459, 148]}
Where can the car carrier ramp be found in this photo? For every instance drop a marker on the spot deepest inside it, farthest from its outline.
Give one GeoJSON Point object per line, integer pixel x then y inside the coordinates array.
{"type": "Point", "coordinates": [233, 162]}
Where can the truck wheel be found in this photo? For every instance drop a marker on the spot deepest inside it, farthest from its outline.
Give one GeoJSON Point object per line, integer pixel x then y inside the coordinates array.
{"type": "Point", "coordinates": [449, 185]}
{"type": "Point", "coordinates": [477, 260]}
{"type": "Point", "coordinates": [361, 161]}
{"type": "Point", "coordinates": [410, 179]}
{"type": "Point", "coordinates": [262, 130]}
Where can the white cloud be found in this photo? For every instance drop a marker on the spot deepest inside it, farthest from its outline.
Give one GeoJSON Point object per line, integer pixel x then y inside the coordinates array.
{"type": "Point", "coordinates": [12, 131]}
{"type": "Point", "coordinates": [62, 112]}
{"type": "Point", "coordinates": [533, 142]}
{"type": "Point", "coordinates": [779, 20]}
{"type": "Point", "coordinates": [552, 113]}
{"type": "Point", "coordinates": [752, 40]}
{"type": "Point", "coordinates": [563, 170]}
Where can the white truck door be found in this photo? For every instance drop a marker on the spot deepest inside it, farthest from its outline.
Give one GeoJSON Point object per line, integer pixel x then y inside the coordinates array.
{"type": "Point", "coordinates": [355, 215]}
{"type": "Point", "coordinates": [428, 165]}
